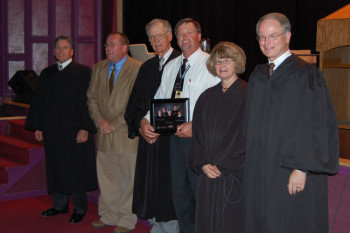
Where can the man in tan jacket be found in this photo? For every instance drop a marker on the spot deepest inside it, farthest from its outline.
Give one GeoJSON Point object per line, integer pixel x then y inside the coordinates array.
{"type": "Point", "coordinates": [110, 87]}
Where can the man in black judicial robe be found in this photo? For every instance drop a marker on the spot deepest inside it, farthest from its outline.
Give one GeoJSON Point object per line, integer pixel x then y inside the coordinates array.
{"type": "Point", "coordinates": [152, 186]}
{"type": "Point", "coordinates": [292, 139]}
{"type": "Point", "coordinates": [59, 115]}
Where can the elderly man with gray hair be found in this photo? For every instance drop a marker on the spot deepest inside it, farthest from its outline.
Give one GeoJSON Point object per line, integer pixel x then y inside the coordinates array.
{"type": "Point", "coordinates": [152, 188]}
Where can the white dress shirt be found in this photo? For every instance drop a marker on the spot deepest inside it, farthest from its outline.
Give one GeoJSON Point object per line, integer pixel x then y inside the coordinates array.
{"type": "Point", "coordinates": [64, 64]}
{"type": "Point", "coordinates": [167, 55]}
{"type": "Point", "coordinates": [197, 79]}
{"type": "Point", "coordinates": [280, 59]}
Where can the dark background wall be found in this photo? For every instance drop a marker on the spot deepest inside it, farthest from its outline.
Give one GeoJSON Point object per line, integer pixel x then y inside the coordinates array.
{"type": "Point", "coordinates": [231, 20]}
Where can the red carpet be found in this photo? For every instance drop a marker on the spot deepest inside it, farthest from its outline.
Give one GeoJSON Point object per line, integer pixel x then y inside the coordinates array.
{"type": "Point", "coordinates": [24, 215]}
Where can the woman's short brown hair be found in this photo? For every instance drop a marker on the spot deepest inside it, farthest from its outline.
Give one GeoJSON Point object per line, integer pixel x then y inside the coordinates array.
{"type": "Point", "coordinates": [227, 50]}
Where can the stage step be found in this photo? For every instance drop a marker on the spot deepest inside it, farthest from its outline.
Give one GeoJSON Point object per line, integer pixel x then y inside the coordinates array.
{"type": "Point", "coordinates": [17, 130]}
{"type": "Point", "coordinates": [4, 165]}
{"type": "Point", "coordinates": [22, 163]}
{"type": "Point", "coordinates": [15, 149]}
{"type": "Point", "coordinates": [13, 152]}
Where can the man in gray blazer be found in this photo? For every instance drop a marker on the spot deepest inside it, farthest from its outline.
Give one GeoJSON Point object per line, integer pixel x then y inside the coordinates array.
{"type": "Point", "coordinates": [111, 83]}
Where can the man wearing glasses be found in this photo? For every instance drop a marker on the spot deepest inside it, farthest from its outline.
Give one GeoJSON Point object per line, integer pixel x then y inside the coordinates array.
{"type": "Point", "coordinates": [186, 77]}
{"type": "Point", "coordinates": [153, 162]}
{"type": "Point", "coordinates": [111, 83]}
{"type": "Point", "coordinates": [292, 138]}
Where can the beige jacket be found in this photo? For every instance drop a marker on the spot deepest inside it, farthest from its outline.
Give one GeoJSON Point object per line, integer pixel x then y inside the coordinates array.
{"type": "Point", "coordinates": [112, 107]}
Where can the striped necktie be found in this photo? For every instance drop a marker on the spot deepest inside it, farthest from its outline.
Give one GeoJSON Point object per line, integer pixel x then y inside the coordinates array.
{"type": "Point", "coordinates": [271, 68]}
{"type": "Point", "coordinates": [161, 61]}
{"type": "Point", "coordinates": [111, 79]}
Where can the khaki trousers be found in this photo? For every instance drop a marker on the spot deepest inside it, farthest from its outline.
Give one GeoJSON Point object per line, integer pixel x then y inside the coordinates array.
{"type": "Point", "coordinates": [115, 173]}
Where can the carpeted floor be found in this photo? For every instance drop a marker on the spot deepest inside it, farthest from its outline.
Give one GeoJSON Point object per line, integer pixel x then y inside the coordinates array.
{"type": "Point", "coordinates": [339, 201]}
{"type": "Point", "coordinates": [24, 215]}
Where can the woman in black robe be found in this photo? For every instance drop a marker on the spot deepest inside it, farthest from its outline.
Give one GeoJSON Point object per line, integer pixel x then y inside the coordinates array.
{"type": "Point", "coordinates": [218, 147]}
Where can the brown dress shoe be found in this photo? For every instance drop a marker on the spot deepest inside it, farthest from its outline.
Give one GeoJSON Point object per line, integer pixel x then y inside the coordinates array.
{"type": "Point", "coordinates": [98, 224]}
{"type": "Point", "coordinates": [120, 229]}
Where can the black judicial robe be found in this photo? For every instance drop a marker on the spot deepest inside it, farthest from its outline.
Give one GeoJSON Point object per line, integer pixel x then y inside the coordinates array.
{"type": "Point", "coordinates": [290, 124]}
{"type": "Point", "coordinates": [59, 109]}
{"type": "Point", "coordinates": [218, 140]}
{"type": "Point", "coordinates": [152, 186]}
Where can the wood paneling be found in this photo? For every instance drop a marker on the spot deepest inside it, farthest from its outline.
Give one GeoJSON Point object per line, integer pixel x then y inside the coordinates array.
{"type": "Point", "coordinates": [31, 26]}
{"type": "Point", "coordinates": [86, 23]}
{"type": "Point", "coordinates": [40, 56]}
{"type": "Point", "coordinates": [86, 54]}
{"type": "Point", "coordinates": [335, 65]}
{"type": "Point", "coordinates": [63, 17]}
{"type": "Point", "coordinates": [344, 139]}
{"type": "Point", "coordinates": [40, 16]}
{"type": "Point", "coordinates": [15, 22]}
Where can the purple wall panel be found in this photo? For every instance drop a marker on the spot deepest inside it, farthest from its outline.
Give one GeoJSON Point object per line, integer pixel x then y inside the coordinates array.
{"type": "Point", "coordinates": [30, 27]}
{"type": "Point", "coordinates": [87, 54]}
{"type": "Point", "coordinates": [15, 26]}
{"type": "Point", "coordinates": [40, 18]}
{"type": "Point", "coordinates": [64, 18]}
{"type": "Point", "coordinates": [86, 20]}
{"type": "Point", "coordinates": [40, 56]}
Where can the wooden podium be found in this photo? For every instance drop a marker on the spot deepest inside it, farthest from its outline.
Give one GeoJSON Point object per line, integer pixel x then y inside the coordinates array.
{"type": "Point", "coordinates": [333, 43]}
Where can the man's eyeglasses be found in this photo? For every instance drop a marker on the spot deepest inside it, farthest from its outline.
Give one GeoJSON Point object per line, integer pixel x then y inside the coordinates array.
{"type": "Point", "coordinates": [111, 44]}
{"type": "Point", "coordinates": [224, 61]}
{"type": "Point", "coordinates": [271, 37]}
{"type": "Point", "coordinates": [159, 36]}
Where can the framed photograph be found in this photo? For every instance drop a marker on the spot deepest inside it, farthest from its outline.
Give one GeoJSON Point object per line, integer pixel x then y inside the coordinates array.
{"type": "Point", "coordinates": [167, 114]}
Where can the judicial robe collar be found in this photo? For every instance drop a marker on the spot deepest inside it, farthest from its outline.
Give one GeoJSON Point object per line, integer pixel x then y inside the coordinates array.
{"type": "Point", "coordinates": [64, 64]}
{"type": "Point", "coordinates": [280, 59]}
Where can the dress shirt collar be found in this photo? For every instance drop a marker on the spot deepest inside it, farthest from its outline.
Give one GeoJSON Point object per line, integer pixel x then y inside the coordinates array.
{"type": "Point", "coordinates": [280, 59]}
{"type": "Point", "coordinates": [167, 55]}
{"type": "Point", "coordinates": [191, 59]}
{"type": "Point", "coordinates": [64, 64]}
{"type": "Point", "coordinates": [118, 65]}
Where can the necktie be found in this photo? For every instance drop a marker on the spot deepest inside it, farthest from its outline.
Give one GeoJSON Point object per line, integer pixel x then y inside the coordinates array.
{"type": "Point", "coordinates": [183, 68]}
{"type": "Point", "coordinates": [161, 60]}
{"type": "Point", "coordinates": [60, 67]}
{"type": "Point", "coordinates": [111, 79]}
{"type": "Point", "coordinates": [271, 68]}
{"type": "Point", "coordinates": [179, 82]}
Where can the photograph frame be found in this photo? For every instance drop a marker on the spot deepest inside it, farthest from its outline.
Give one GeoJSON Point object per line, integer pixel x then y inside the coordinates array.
{"type": "Point", "coordinates": [165, 122]}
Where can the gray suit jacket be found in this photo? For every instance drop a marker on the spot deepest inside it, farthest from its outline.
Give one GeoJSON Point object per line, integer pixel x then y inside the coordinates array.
{"type": "Point", "coordinates": [112, 107]}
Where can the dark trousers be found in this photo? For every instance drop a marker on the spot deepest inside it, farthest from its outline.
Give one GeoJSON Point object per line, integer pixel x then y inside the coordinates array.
{"type": "Point", "coordinates": [61, 200]}
{"type": "Point", "coordinates": [184, 183]}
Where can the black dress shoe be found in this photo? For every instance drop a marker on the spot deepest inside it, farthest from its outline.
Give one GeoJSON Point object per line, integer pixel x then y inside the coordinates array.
{"type": "Point", "coordinates": [76, 218]}
{"type": "Point", "coordinates": [53, 212]}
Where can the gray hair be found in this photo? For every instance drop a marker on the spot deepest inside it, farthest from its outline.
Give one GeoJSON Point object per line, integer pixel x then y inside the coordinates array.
{"type": "Point", "coordinates": [67, 38]}
{"type": "Point", "coordinates": [165, 23]}
{"type": "Point", "coordinates": [281, 18]}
